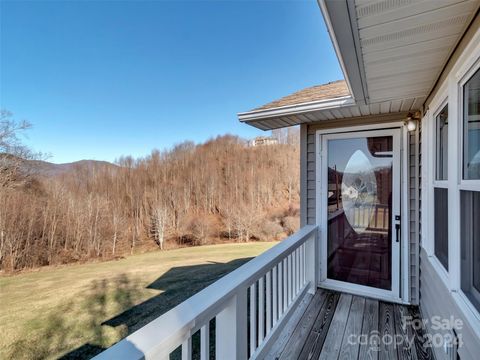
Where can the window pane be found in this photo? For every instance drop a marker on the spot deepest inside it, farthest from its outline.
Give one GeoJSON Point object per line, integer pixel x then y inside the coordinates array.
{"type": "Point", "coordinates": [441, 225]}
{"type": "Point", "coordinates": [470, 246]}
{"type": "Point", "coordinates": [471, 125]}
{"type": "Point", "coordinates": [442, 144]}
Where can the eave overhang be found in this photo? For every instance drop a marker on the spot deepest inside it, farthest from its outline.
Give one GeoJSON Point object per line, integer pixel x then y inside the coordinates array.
{"type": "Point", "coordinates": [391, 53]}
{"type": "Point", "coordinates": [343, 32]}
{"type": "Point", "coordinates": [296, 109]}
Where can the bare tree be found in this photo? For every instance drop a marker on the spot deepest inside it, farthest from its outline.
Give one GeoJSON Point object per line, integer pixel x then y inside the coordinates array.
{"type": "Point", "coordinates": [221, 188]}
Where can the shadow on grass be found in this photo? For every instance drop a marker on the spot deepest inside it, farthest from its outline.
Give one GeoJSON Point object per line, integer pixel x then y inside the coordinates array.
{"type": "Point", "coordinates": [178, 284]}
{"type": "Point", "coordinates": [120, 294]}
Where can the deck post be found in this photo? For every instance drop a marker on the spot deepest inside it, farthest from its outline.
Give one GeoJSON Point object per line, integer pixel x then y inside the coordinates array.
{"type": "Point", "coordinates": [231, 329]}
{"type": "Point", "coordinates": [311, 262]}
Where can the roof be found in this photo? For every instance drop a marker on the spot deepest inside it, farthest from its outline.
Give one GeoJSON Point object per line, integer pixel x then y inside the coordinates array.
{"type": "Point", "coordinates": [391, 53]}
{"type": "Point", "coordinates": [330, 90]}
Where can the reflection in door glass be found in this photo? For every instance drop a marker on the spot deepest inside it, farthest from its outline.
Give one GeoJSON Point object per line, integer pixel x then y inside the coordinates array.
{"type": "Point", "coordinates": [359, 211]}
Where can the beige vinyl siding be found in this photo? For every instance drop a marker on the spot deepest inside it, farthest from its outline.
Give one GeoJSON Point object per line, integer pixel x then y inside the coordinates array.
{"type": "Point", "coordinates": [414, 213]}
{"type": "Point", "coordinates": [437, 300]}
{"type": "Point", "coordinates": [308, 196]}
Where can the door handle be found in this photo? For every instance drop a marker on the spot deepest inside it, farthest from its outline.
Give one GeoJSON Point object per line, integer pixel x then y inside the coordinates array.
{"type": "Point", "coordinates": [397, 232]}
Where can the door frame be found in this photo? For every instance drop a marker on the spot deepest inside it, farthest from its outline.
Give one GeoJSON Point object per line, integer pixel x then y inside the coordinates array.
{"type": "Point", "coordinates": [400, 262]}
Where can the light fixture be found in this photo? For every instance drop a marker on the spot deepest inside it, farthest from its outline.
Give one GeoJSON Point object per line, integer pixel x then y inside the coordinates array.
{"type": "Point", "coordinates": [411, 123]}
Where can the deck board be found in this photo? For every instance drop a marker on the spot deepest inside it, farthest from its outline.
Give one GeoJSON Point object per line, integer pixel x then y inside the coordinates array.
{"type": "Point", "coordinates": [405, 349]}
{"type": "Point", "coordinates": [387, 331]}
{"type": "Point", "coordinates": [304, 327]}
{"type": "Point", "coordinates": [322, 328]}
{"type": "Point", "coordinates": [316, 338]}
{"type": "Point", "coordinates": [288, 329]}
{"type": "Point", "coordinates": [369, 349]}
{"type": "Point", "coordinates": [353, 329]}
{"type": "Point", "coordinates": [333, 342]}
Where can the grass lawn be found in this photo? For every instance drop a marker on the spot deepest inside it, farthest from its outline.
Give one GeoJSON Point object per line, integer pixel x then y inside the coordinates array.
{"type": "Point", "coordinates": [77, 311]}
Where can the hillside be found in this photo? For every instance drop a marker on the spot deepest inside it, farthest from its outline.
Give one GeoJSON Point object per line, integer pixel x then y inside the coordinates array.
{"type": "Point", "coordinates": [219, 191]}
{"type": "Point", "coordinates": [48, 169]}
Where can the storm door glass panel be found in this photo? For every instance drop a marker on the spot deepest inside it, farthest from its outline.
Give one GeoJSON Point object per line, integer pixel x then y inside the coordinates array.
{"type": "Point", "coordinates": [471, 125]}
{"type": "Point", "coordinates": [359, 211]}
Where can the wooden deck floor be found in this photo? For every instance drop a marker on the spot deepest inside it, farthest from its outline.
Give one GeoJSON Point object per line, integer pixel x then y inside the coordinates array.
{"type": "Point", "coordinates": [331, 325]}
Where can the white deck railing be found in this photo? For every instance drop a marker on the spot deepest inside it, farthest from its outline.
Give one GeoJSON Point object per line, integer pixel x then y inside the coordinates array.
{"type": "Point", "coordinates": [249, 305]}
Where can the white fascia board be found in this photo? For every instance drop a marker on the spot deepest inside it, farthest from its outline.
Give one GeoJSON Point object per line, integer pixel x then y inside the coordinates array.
{"type": "Point", "coordinates": [341, 28]}
{"type": "Point", "coordinates": [331, 33]}
{"type": "Point", "coordinates": [297, 108]}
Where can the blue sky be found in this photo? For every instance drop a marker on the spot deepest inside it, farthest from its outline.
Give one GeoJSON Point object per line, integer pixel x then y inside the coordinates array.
{"type": "Point", "coordinates": [101, 79]}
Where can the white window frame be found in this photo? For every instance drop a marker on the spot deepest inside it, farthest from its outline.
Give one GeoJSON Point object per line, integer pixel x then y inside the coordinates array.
{"type": "Point", "coordinates": [429, 135]}
{"type": "Point", "coordinates": [452, 89]}
{"type": "Point", "coordinates": [462, 78]}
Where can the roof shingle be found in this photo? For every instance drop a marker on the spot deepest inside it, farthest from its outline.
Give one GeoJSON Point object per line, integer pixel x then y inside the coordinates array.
{"type": "Point", "coordinates": [331, 90]}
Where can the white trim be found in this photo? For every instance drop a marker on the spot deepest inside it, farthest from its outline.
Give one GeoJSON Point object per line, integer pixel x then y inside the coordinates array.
{"type": "Point", "coordinates": [331, 32]}
{"type": "Point", "coordinates": [399, 293]}
{"type": "Point", "coordinates": [467, 308]}
{"type": "Point", "coordinates": [440, 270]}
{"type": "Point", "coordinates": [469, 185]}
{"type": "Point", "coordinates": [368, 127]}
{"type": "Point", "coordinates": [295, 109]}
{"type": "Point", "coordinates": [360, 290]}
{"type": "Point", "coordinates": [405, 215]}
{"type": "Point", "coordinates": [429, 133]}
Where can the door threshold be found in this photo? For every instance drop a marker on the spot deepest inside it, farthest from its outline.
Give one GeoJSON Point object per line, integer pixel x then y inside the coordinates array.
{"type": "Point", "coordinates": [368, 294]}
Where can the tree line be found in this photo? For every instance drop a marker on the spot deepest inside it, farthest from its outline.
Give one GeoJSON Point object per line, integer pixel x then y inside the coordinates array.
{"type": "Point", "coordinates": [221, 190]}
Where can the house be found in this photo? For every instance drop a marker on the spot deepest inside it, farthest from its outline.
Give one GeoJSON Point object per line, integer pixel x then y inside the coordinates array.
{"type": "Point", "coordinates": [263, 140]}
{"type": "Point", "coordinates": [390, 205]}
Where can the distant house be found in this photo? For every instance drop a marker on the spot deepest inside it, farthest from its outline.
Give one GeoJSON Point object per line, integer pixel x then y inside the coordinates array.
{"type": "Point", "coordinates": [263, 141]}
{"type": "Point", "coordinates": [390, 205]}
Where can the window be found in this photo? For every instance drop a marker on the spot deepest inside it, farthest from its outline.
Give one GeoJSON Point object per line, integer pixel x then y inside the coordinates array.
{"type": "Point", "coordinates": [441, 225]}
{"type": "Point", "coordinates": [470, 200]}
{"type": "Point", "coordinates": [470, 246]}
{"type": "Point", "coordinates": [471, 128]}
{"type": "Point", "coordinates": [440, 190]}
{"type": "Point", "coordinates": [442, 144]}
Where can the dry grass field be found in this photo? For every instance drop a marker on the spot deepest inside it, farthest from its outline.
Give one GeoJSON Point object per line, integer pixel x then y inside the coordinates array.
{"type": "Point", "coordinates": [77, 311]}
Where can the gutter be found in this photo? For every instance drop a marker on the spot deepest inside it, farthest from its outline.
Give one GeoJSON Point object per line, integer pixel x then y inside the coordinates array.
{"type": "Point", "coordinates": [296, 109]}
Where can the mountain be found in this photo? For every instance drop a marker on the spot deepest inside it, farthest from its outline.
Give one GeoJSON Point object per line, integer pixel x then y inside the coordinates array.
{"type": "Point", "coordinates": [48, 169]}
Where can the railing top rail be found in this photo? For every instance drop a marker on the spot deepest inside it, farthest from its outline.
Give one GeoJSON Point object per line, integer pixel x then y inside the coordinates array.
{"type": "Point", "coordinates": [169, 329]}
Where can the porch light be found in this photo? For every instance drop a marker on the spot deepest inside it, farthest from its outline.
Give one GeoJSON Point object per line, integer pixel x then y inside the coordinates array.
{"type": "Point", "coordinates": [411, 123]}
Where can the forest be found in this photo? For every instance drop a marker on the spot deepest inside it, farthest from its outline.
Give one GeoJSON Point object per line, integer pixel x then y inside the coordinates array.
{"type": "Point", "coordinates": [222, 190]}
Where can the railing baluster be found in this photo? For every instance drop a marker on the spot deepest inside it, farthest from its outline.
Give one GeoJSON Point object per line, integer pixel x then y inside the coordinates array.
{"type": "Point", "coordinates": [261, 310]}
{"type": "Point", "coordinates": [187, 349]}
{"type": "Point", "coordinates": [285, 285]}
{"type": "Point", "coordinates": [280, 289]}
{"type": "Point", "coordinates": [299, 269]}
{"type": "Point", "coordinates": [275, 296]}
{"type": "Point", "coordinates": [205, 342]}
{"type": "Point", "coordinates": [290, 278]}
{"type": "Point", "coordinates": [268, 301]}
{"type": "Point", "coordinates": [299, 284]}
{"type": "Point", "coordinates": [253, 318]}
{"type": "Point", "coordinates": [303, 264]}
{"type": "Point", "coordinates": [294, 273]}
